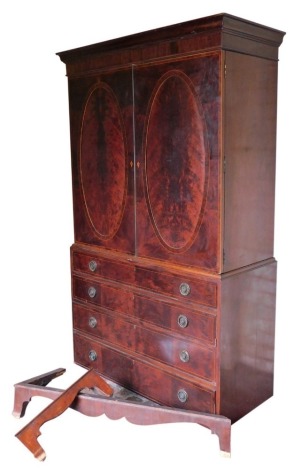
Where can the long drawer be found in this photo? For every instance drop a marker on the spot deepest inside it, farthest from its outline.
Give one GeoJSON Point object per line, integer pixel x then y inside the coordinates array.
{"type": "Point", "coordinates": [175, 351]}
{"type": "Point", "coordinates": [184, 287]}
{"type": "Point", "coordinates": [141, 377]}
{"type": "Point", "coordinates": [178, 319]}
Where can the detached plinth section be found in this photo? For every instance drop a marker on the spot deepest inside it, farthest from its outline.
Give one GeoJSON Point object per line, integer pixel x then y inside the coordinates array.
{"type": "Point", "coordinates": [97, 398]}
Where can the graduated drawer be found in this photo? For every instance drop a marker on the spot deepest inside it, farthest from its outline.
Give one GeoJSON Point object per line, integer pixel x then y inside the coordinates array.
{"type": "Point", "coordinates": [109, 269]}
{"type": "Point", "coordinates": [178, 286]}
{"type": "Point", "coordinates": [187, 356]}
{"type": "Point", "coordinates": [176, 319]}
{"type": "Point", "coordinates": [146, 379]}
{"type": "Point", "coordinates": [174, 351]}
{"type": "Point", "coordinates": [104, 295]}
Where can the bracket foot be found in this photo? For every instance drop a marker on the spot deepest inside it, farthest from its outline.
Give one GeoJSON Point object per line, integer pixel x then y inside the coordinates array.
{"type": "Point", "coordinates": [29, 434]}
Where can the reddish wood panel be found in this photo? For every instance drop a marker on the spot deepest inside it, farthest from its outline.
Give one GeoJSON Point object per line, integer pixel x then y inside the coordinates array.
{"type": "Point", "coordinates": [247, 340]}
{"type": "Point", "coordinates": [200, 291]}
{"type": "Point", "coordinates": [117, 299]}
{"type": "Point", "coordinates": [81, 290]}
{"type": "Point", "coordinates": [181, 353]}
{"type": "Point", "coordinates": [104, 326]}
{"type": "Point", "coordinates": [250, 147]}
{"type": "Point", "coordinates": [167, 389]}
{"type": "Point", "coordinates": [118, 271]}
{"type": "Point", "coordinates": [85, 263]}
{"type": "Point", "coordinates": [95, 264]}
{"type": "Point", "coordinates": [178, 319]}
{"type": "Point", "coordinates": [176, 352]}
{"type": "Point", "coordinates": [102, 159]}
{"type": "Point", "coordinates": [142, 377]}
{"type": "Point", "coordinates": [176, 150]}
{"type": "Point", "coordinates": [177, 117]}
{"type": "Point", "coordinates": [96, 293]}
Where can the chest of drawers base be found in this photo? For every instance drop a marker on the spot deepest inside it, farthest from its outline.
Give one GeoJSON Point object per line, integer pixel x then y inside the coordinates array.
{"type": "Point", "coordinates": [194, 351]}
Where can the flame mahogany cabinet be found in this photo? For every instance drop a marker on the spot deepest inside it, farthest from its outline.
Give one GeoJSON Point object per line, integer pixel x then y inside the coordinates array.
{"type": "Point", "coordinates": [173, 135]}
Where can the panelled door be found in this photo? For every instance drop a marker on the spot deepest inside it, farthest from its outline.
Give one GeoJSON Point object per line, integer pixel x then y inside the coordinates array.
{"type": "Point", "coordinates": [102, 155]}
{"type": "Point", "coordinates": [177, 123]}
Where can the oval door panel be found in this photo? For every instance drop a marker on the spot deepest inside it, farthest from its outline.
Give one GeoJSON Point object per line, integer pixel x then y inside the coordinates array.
{"type": "Point", "coordinates": [103, 161]}
{"type": "Point", "coordinates": [176, 160]}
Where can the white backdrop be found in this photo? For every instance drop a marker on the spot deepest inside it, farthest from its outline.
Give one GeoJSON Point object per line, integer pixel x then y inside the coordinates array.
{"type": "Point", "coordinates": [37, 230]}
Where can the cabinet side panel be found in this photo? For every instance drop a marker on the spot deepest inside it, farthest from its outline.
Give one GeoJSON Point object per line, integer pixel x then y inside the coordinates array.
{"type": "Point", "coordinates": [250, 145]}
{"type": "Point", "coordinates": [247, 340]}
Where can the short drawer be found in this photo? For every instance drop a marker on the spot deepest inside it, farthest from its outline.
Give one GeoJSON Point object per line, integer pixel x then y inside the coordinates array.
{"type": "Point", "coordinates": [178, 319]}
{"type": "Point", "coordinates": [180, 287]}
{"type": "Point", "coordinates": [96, 265]}
{"type": "Point", "coordinates": [99, 293]}
{"type": "Point", "coordinates": [143, 378]}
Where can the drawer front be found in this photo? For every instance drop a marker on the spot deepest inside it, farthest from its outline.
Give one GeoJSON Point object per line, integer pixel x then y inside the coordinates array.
{"type": "Point", "coordinates": [143, 378]}
{"type": "Point", "coordinates": [104, 326]}
{"type": "Point", "coordinates": [84, 263]}
{"type": "Point", "coordinates": [180, 287]}
{"type": "Point", "coordinates": [92, 264]}
{"type": "Point", "coordinates": [178, 319]}
{"type": "Point", "coordinates": [96, 293]}
{"type": "Point", "coordinates": [184, 355]}
{"type": "Point", "coordinates": [179, 353]}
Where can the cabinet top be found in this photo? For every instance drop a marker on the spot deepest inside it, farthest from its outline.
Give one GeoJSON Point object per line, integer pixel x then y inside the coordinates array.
{"type": "Point", "coordinates": [222, 31]}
